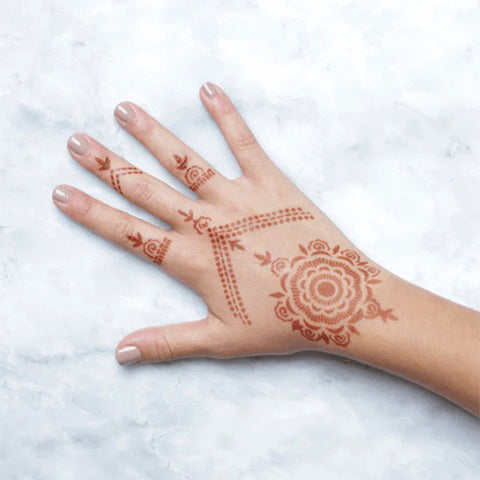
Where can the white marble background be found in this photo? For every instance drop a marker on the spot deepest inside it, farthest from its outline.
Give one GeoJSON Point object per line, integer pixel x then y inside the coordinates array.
{"type": "Point", "coordinates": [372, 108]}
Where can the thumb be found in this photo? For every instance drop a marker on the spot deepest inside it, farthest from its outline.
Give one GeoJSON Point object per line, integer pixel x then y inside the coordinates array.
{"type": "Point", "coordinates": [162, 344]}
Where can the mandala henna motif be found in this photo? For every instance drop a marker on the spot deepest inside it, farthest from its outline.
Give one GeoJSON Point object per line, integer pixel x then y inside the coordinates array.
{"type": "Point", "coordinates": [225, 239]}
{"type": "Point", "coordinates": [194, 175]}
{"type": "Point", "coordinates": [116, 173]}
{"type": "Point", "coordinates": [152, 248]}
{"type": "Point", "coordinates": [199, 224]}
{"type": "Point", "coordinates": [324, 291]}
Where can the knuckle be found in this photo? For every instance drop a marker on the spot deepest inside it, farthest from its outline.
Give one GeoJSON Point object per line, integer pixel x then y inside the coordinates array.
{"type": "Point", "coordinates": [85, 208]}
{"type": "Point", "coordinates": [143, 191]}
{"type": "Point", "coordinates": [121, 230]}
{"type": "Point", "coordinates": [163, 349]}
{"type": "Point", "coordinates": [200, 266]}
{"type": "Point", "coordinates": [245, 141]}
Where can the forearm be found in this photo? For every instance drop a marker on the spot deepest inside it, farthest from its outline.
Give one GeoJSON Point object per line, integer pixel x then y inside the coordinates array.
{"type": "Point", "coordinates": [434, 342]}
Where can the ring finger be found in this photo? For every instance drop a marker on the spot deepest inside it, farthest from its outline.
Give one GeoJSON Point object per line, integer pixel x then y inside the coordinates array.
{"type": "Point", "coordinates": [167, 248]}
{"type": "Point", "coordinates": [171, 152]}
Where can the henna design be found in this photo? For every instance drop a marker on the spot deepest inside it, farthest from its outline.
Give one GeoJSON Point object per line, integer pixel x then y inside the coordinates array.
{"type": "Point", "coordinates": [116, 173]}
{"type": "Point", "coordinates": [194, 175]}
{"type": "Point", "coordinates": [152, 248]}
{"type": "Point", "coordinates": [324, 291]}
{"type": "Point", "coordinates": [225, 239]}
{"type": "Point", "coordinates": [104, 164]}
{"type": "Point", "coordinates": [199, 224]}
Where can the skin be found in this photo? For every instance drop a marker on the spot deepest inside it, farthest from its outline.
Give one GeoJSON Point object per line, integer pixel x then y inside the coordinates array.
{"type": "Point", "coordinates": [410, 332]}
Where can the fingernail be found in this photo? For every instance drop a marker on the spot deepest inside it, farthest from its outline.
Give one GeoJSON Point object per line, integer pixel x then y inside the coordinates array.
{"type": "Point", "coordinates": [62, 194]}
{"type": "Point", "coordinates": [128, 355]}
{"type": "Point", "coordinates": [124, 112]}
{"type": "Point", "coordinates": [209, 89]}
{"type": "Point", "coordinates": [78, 143]}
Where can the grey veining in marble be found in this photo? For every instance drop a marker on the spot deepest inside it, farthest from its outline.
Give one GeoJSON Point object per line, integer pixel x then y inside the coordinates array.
{"type": "Point", "coordinates": [372, 108]}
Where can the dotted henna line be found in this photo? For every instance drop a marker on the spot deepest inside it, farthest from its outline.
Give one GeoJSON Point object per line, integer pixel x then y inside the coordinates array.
{"type": "Point", "coordinates": [116, 173]}
{"type": "Point", "coordinates": [202, 180]}
{"type": "Point", "coordinates": [163, 251]}
{"type": "Point", "coordinates": [222, 247]}
{"type": "Point", "coordinates": [265, 220]}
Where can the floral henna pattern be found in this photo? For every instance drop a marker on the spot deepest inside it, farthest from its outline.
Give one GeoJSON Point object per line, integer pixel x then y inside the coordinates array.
{"type": "Point", "coordinates": [199, 224]}
{"type": "Point", "coordinates": [194, 175]}
{"type": "Point", "coordinates": [152, 248]}
{"type": "Point", "coordinates": [324, 291]}
{"type": "Point", "coordinates": [225, 239]}
{"type": "Point", "coordinates": [116, 173]}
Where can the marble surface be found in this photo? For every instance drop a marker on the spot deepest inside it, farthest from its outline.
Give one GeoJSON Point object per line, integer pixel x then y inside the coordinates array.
{"type": "Point", "coordinates": [372, 108]}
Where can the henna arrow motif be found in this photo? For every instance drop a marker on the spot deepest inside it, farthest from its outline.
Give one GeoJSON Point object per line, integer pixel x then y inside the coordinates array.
{"type": "Point", "coordinates": [181, 162]}
{"type": "Point", "coordinates": [137, 240]}
{"type": "Point", "coordinates": [264, 259]}
{"type": "Point", "coordinates": [104, 164]}
{"type": "Point", "coordinates": [236, 244]}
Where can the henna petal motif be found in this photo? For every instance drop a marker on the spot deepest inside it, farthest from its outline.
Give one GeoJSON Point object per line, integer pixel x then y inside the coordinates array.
{"type": "Point", "coordinates": [326, 290]}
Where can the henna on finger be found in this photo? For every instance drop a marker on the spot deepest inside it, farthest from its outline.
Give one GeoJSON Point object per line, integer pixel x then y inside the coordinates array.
{"type": "Point", "coordinates": [153, 248]}
{"type": "Point", "coordinates": [116, 173]}
{"type": "Point", "coordinates": [199, 224]}
{"type": "Point", "coordinates": [194, 176]}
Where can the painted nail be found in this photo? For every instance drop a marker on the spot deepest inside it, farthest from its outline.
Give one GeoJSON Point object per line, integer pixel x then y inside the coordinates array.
{"type": "Point", "coordinates": [209, 89]}
{"type": "Point", "coordinates": [128, 355]}
{"type": "Point", "coordinates": [62, 194]}
{"type": "Point", "coordinates": [124, 112]}
{"type": "Point", "coordinates": [78, 143]}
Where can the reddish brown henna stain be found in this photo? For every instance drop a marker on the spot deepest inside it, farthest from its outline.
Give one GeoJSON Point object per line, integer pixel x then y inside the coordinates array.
{"type": "Point", "coordinates": [116, 173]}
{"type": "Point", "coordinates": [324, 291]}
{"type": "Point", "coordinates": [152, 248]}
{"type": "Point", "coordinates": [199, 224]}
{"type": "Point", "coordinates": [225, 240]}
{"type": "Point", "coordinates": [193, 175]}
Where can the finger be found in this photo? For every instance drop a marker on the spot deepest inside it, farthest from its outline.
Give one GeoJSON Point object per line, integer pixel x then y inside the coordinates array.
{"type": "Point", "coordinates": [162, 247]}
{"type": "Point", "coordinates": [171, 342]}
{"type": "Point", "coordinates": [142, 189]}
{"type": "Point", "coordinates": [172, 153]}
{"type": "Point", "coordinates": [249, 154]}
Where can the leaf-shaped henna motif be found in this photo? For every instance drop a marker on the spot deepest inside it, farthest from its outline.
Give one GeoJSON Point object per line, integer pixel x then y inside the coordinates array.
{"type": "Point", "coordinates": [188, 216]}
{"type": "Point", "coordinates": [181, 162]}
{"type": "Point", "coordinates": [136, 239]}
{"type": "Point", "coordinates": [235, 244]}
{"type": "Point", "coordinates": [324, 291]}
{"type": "Point", "coordinates": [264, 259]}
{"type": "Point", "coordinates": [104, 164]}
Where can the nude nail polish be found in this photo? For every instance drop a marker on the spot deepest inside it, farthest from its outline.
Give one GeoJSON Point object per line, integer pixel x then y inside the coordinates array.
{"type": "Point", "coordinates": [78, 143]}
{"type": "Point", "coordinates": [209, 89]}
{"type": "Point", "coordinates": [62, 194]}
{"type": "Point", "coordinates": [124, 112]}
{"type": "Point", "coordinates": [128, 355]}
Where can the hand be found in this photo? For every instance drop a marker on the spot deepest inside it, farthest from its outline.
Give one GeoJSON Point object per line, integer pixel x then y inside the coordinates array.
{"type": "Point", "coordinates": [276, 274]}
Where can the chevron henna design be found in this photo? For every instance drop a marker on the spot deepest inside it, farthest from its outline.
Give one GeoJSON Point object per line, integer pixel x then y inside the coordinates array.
{"type": "Point", "coordinates": [116, 173]}
{"type": "Point", "coordinates": [225, 240]}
